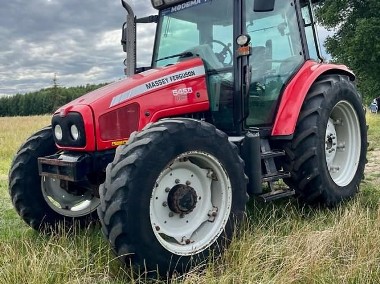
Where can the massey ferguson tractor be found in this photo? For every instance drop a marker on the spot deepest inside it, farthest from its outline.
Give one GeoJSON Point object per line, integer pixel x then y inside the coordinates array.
{"type": "Point", "coordinates": [237, 102]}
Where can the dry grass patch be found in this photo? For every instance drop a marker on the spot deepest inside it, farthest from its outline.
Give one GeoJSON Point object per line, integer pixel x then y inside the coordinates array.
{"type": "Point", "coordinates": [280, 242]}
{"type": "Point", "coordinates": [13, 132]}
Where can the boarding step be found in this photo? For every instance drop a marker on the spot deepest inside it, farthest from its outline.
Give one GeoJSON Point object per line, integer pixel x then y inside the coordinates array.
{"type": "Point", "coordinates": [272, 154]}
{"type": "Point", "coordinates": [277, 194]}
{"type": "Point", "coordinates": [275, 176]}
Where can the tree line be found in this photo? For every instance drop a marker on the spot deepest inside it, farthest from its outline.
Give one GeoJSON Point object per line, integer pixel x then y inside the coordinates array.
{"type": "Point", "coordinates": [355, 41]}
{"type": "Point", "coordinates": [44, 101]}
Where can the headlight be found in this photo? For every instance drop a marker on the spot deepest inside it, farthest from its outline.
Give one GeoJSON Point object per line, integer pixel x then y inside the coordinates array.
{"type": "Point", "coordinates": [69, 130]}
{"type": "Point", "coordinates": [58, 132]}
{"type": "Point", "coordinates": [74, 132]}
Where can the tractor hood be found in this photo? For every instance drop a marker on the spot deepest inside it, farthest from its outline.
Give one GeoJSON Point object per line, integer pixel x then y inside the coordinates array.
{"type": "Point", "coordinates": [114, 94]}
{"type": "Point", "coordinates": [112, 112]}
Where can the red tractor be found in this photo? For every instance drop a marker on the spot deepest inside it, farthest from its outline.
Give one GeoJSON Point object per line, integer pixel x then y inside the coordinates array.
{"type": "Point", "coordinates": [236, 96]}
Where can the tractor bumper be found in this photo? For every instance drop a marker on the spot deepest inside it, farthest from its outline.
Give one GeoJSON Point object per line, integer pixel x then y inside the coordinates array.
{"type": "Point", "coordinates": [71, 167]}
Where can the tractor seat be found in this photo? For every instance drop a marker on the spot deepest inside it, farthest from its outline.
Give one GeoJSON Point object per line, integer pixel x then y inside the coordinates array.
{"type": "Point", "coordinates": [259, 64]}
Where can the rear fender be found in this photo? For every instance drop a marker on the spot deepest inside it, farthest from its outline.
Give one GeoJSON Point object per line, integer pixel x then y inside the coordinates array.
{"type": "Point", "coordinates": [296, 91]}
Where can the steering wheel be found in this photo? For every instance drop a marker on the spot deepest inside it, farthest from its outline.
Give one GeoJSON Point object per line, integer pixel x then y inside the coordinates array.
{"type": "Point", "coordinates": [225, 53]}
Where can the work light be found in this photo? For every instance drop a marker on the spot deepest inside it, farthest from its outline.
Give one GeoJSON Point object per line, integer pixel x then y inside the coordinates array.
{"type": "Point", "coordinates": [160, 4]}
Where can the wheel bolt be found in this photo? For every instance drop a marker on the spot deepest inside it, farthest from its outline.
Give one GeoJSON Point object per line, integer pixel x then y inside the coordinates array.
{"type": "Point", "coordinates": [188, 182]}
{"type": "Point", "coordinates": [165, 204]}
{"type": "Point", "coordinates": [171, 214]}
{"type": "Point", "coordinates": [157, 228]}
{"type": "Point", "coordinates": [167, 189]}
{"type": "Point", "coordinates": [177, 181]}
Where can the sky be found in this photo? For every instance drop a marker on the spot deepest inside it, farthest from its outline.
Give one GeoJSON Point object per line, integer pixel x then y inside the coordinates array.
{"type": "Point", "coordinates": [78, 41]}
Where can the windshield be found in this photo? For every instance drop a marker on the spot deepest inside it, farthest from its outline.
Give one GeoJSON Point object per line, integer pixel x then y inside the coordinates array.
{"type": "Point", "coordinates": [202, 27]}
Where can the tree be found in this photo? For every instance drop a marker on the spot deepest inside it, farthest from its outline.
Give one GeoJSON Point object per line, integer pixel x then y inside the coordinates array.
{"type": "Point", "coordinates": [43, 101]}
{"type": "Point", "coordinates": [356, 40]}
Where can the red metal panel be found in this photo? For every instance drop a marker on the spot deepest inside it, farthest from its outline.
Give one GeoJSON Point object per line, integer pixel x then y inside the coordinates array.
{"type": "Point", "coordinates": [296, 91]}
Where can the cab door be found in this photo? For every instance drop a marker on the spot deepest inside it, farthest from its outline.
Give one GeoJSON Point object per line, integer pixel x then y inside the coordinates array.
{"type": "Point", "coordinates": [277, 53]}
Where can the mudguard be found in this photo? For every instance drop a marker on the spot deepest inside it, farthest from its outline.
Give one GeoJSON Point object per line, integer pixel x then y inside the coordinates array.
{"type": "Point", "coordinates": [296, 91]}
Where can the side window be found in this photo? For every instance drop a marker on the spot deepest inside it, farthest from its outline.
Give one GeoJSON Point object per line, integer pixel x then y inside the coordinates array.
{"type": "Point", "coordinates": [276, 55]}
{"type": "Point", "coordinates": [309, 33]}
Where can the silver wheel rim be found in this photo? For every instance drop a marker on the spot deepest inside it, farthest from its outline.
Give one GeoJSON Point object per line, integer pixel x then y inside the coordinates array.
{"type": "Point", "coordinates": [203, 178]}
{"type": "Point", "coordinates": [343, 143]}
{"type": "Point", "coordinates": [65, 203]}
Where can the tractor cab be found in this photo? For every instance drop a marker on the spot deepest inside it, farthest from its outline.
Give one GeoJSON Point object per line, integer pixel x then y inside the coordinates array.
{"type": "Point", "coordinates": [244, 79]}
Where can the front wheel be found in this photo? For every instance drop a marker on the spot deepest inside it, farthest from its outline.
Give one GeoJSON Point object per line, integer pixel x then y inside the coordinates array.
{"type": "Point", "coordinates": [43, 202]}
{"type": "Point", "coordinates": [328, 153]}
{"type": "Point", "coordinates": [173, 196]}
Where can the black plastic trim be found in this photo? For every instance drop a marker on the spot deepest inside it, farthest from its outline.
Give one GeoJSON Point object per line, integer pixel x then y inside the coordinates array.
{"type": "Point", "coordinates": [66, 122]}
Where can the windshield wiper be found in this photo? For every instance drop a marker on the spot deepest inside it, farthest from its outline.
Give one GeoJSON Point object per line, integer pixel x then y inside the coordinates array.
{"type": "Point", "coordinates": [183, 54]}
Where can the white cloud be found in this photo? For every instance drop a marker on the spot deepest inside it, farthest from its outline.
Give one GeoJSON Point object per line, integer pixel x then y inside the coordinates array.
{"type": "Point", "coordinates": [77, 40]}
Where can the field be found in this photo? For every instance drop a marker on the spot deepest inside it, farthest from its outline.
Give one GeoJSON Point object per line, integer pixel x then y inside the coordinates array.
{"type": "Point", "coordinates": [281, 242]}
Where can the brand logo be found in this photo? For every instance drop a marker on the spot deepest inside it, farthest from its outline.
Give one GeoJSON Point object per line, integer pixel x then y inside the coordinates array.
{"type": "Point", "coordinates": [158, 83]}
{"type": "Point", "coordinates": [185, 5]}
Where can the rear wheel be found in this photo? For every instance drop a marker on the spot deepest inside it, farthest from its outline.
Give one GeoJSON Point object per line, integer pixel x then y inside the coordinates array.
{"type": "Point", "coordinates": [327, 155]}
{"type": "Point", "coordinates": [43, 202]}
{"type": "Point", "coordinates": [173, 196]}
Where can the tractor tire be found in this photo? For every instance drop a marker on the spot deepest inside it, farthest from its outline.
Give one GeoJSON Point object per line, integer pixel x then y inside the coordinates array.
{"type": "Point", "coordinates": [327, 155]}
{"type": "Point", "coordinates": [40, 201]}
{"type": "Point", "coordinates": [173, 196]}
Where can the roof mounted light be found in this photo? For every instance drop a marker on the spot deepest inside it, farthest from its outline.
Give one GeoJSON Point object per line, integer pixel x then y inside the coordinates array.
{"type": "Point", "coordinates": [161, 4]}
{"type": "Point", "coordinates": [157, 3]}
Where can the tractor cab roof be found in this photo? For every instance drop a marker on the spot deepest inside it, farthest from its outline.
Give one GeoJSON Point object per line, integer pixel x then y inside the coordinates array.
{"type": "Point", "coordinates": [163, 4]}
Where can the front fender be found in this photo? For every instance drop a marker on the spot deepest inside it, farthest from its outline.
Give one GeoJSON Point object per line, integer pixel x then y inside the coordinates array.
{"type": "Point", "coordinates": [296, 91]}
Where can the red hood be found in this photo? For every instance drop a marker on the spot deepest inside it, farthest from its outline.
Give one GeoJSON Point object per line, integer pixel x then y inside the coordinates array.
{"type": "Point", "coordinates": [139, 84]}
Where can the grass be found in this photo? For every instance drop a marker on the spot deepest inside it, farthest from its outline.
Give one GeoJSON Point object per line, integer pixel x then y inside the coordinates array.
{"type": "Point", "coordinates": [281, 242]}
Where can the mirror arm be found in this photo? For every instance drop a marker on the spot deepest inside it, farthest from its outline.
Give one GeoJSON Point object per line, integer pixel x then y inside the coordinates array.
{"type": "Point", "coordinates": [147, 20]}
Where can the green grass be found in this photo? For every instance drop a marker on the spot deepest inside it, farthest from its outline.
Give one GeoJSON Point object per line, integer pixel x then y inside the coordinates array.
{"type": "Point", "coordinates": [281, 242]}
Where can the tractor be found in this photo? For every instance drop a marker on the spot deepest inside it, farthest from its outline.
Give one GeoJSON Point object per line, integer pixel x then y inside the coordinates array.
{"type": "Point", "coordinates": [237, 103]}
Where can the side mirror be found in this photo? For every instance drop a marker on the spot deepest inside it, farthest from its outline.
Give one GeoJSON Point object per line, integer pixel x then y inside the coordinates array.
{"type": "Point", "coordinates": [263, 5]}
{"type": "Point", "coordinates": [124, 37]}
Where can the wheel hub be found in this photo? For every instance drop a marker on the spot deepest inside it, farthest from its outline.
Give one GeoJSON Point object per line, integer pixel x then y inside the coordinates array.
{"type": "Point", "coordinates": [182, 199]}
{"type": "Point", "coordinates": [330, 142]}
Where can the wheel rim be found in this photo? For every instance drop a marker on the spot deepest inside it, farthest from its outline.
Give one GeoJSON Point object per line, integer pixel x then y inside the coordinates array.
{"type": "Point", "coordinates": [66, 203]}
{"type": "Point", "coordinates": [343, 143]}
{"type": "Point", "coordinates": [191, 203]}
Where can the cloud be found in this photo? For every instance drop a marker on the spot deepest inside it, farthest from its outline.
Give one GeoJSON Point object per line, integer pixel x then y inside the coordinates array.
{"type": "Point", "coordinates": [77, 40]}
